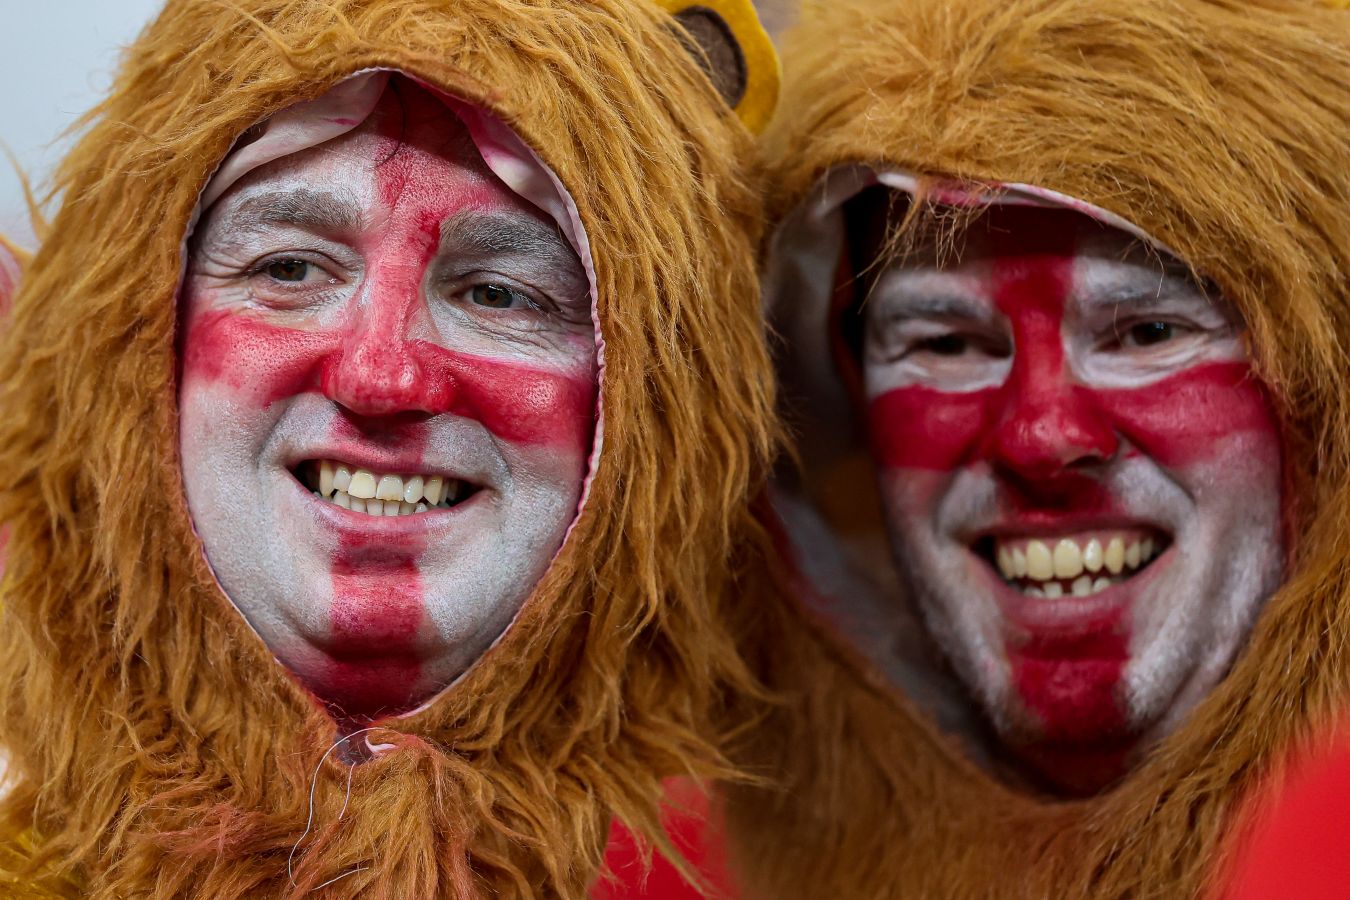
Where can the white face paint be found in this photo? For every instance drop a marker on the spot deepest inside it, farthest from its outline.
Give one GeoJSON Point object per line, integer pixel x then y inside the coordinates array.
{"type": "Point", "coordinates": [387, 404]}
{"type": "Point", "coordinates": [1081, 480]}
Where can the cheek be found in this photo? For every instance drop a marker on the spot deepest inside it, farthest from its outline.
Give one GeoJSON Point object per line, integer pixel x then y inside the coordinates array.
{"type": "Point", "coordinates": [520, 404]}
{"type": "Point", "coordinates": [910, 497]}
{"type": "Point", "coordinates": [921, 428]}
{"type": "Point", "coordinates": [258, 363]}
{"type": "Point", "coordinates": [1184, 419]}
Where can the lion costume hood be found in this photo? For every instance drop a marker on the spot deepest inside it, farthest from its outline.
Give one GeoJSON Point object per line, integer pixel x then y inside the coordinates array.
{"type": "Point", "coordinates": [1221, 131]}
{"type": "Point", "coordinates": [155, 747]}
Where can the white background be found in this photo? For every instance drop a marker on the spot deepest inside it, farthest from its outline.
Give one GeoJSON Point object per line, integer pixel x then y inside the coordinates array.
{"type": "Point", "coordinates": [57, 59]}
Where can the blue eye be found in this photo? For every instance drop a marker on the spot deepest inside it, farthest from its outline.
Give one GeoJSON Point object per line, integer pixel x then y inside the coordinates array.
{"type": "Point", "coordinates": [288, 270]}
{"type": "Point", "coordinates": [493, 296]}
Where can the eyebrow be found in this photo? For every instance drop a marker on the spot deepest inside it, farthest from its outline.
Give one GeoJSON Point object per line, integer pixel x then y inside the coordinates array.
{"type": "Point", "coordinates": [1166, 290]}
{"type": "Point", "coordinates": [301, 207]}
{"type": "Point", "coordinates": [491, 235]}
{"type": "Point", "coordinates": [905, 305]}
{"type": "Point", "coordinates": [486, 236]}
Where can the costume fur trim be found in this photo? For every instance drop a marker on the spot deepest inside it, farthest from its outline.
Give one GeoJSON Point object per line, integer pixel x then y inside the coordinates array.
{"type": "Point", "coordinates": [157, 749]}
{"type": "Point", "coordinates": [1223, 128]}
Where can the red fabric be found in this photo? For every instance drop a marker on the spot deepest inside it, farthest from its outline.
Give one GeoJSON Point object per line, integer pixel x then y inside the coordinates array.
{"type": "Point", "coordinates": [1296, 841]}
{"type": "Point", "coordinates": [692, 830]}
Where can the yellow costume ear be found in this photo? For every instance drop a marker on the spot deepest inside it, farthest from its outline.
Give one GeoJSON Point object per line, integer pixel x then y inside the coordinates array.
{"type": "Point", "coordinates": [736, 53]}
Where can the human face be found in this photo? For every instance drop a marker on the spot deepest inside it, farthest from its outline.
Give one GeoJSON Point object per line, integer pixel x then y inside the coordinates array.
{"type": "Point", "coordinates": [1081, 479]}
{"type": "Point", "coordinates": [387, 403]}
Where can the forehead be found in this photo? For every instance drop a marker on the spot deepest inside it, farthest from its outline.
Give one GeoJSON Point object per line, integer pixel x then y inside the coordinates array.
{"type": "Point", "coordinates": [1002, 231]}
{"type": "Point", "coordinates": [955, 239]}
{"type": "Point", "coordinates": [411, 149]}
{"type": "Point", "coordinates": [973, 252]}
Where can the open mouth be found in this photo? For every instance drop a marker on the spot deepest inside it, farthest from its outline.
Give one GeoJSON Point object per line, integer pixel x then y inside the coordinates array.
{"type": "Point", "coordinates": [380, 493]}
{"type": "Point", "coordinates": [1072, 565]}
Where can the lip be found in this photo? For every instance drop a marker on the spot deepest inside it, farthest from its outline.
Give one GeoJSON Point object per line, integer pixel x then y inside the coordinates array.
{"type": "Point", "coordinates": [1068, 616]}
{"type": "Point", "coordinates": [1050, 525]}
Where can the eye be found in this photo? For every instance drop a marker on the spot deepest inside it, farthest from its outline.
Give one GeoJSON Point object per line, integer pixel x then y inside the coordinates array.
{"type": "Point", "coordinates": [1147, 334]}
{"type": "Point", "coordinates": [494, 296]}
{"type": "Point", "coordinates": [289, 270]}
{"type": "Point", "coordinates": [944, 345]}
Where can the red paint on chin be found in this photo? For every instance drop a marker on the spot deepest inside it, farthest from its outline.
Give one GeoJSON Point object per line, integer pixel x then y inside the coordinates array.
{"type": "Point", "coordinates": [373, 667]}
{"type": "Point", "coordinates": [1070, 683]}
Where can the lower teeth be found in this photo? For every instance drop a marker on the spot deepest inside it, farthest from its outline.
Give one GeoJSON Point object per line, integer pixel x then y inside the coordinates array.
{"type": "Point", "coordinates": [1085, 586]}
{"type": "Point", "coordinates": [387, 508]}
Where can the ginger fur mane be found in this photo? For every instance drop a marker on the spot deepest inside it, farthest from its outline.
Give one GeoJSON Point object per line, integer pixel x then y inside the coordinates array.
{"type": "Point", "coordinates": [155, 747]}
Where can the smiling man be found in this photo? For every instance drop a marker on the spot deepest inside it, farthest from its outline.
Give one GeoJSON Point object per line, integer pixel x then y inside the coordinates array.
{"type": "Point", "coordinates": [358, 408]}
{"type": "Point", "coordinates": [1062, 298]}
{"type": "Point", "coordinates": [387, 402]}
{"type": "Point", "coordinates": [1080, 474]}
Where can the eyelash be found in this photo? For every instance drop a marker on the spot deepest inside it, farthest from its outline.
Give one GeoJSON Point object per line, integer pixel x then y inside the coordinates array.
{"type": "Point", "coordinates": [464, 285]}
{"type": "Point", "coordinates": [261, 266]}
{"type": "Point", "coordinates": [1121, 331]}
{"type": "Point", "coordinates": [458, 289]}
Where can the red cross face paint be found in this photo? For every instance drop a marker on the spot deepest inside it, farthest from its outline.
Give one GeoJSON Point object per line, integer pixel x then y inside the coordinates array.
{"type": "Point", "coordinates": [1081, 479]}
{"type": "Point", "coordinates": [388, 401]}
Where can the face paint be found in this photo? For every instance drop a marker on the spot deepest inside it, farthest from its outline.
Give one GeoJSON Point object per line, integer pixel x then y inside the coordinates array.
{"type": "Point", "coordinates": [516, 402]}
{"type": "Point", "coordinates": [381, 307]}
{"type": "Point", "coordinates": [1081, 478]}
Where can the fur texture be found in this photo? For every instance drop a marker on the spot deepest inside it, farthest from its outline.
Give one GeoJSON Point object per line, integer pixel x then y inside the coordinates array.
{"type": "Point", "coordinates": [1223, 128]}
{"type": "Point", "coordinates": [156, 748]}
{"type": "Point", "coordinates": [12, 260]}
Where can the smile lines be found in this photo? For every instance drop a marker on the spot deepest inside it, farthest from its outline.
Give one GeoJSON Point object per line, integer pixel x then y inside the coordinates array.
{"type": "Point", "coordinates": [376, 494]}
{"type": "Point", "coordinates": [1076, 565]}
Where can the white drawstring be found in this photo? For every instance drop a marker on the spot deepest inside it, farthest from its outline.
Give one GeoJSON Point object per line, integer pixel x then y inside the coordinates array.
{"type": "Point", "coordinates": [313, 785]}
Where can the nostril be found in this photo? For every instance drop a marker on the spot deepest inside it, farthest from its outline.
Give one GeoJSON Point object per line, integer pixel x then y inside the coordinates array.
{"type": "Point", "coordinates": [1043, 439]}
{"type": "Point", "coordinates": [373, 383]}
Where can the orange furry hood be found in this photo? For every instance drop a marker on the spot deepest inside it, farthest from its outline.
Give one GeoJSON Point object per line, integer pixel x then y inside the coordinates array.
{"type": "Point", "coordinates": [155, 747]}
{"type": "Point", "coordinates": [1221, 128]}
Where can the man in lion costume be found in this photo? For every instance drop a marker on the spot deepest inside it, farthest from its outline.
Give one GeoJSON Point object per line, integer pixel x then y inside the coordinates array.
{"type": "Point", "coordinates": [361, 407]}
{"type": "Point", "coordinates": [1063, 294]}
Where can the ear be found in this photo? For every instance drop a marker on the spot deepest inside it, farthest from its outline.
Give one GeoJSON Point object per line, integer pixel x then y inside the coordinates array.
{"type": "Point", "coordinates": [732, 47]}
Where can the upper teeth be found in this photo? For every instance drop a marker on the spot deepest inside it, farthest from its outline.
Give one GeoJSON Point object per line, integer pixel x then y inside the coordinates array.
{"type": "Point", "coordinates": [1052, 560]}
{"type": "Point", "coordinates": [361, 490]}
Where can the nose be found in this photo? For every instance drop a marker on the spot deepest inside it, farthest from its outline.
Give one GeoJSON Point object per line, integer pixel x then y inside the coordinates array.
{"type": "Point", "coordinates": [1048, 425]}
{"type": "Point", "coordinates": [378, 371]}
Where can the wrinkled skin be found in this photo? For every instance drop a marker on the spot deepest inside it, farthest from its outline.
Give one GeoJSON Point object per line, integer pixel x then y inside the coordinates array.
{"type": "Point", "coordinates": [1059, 381]}
{"type": "Point", "coordinates": [383, 301]}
